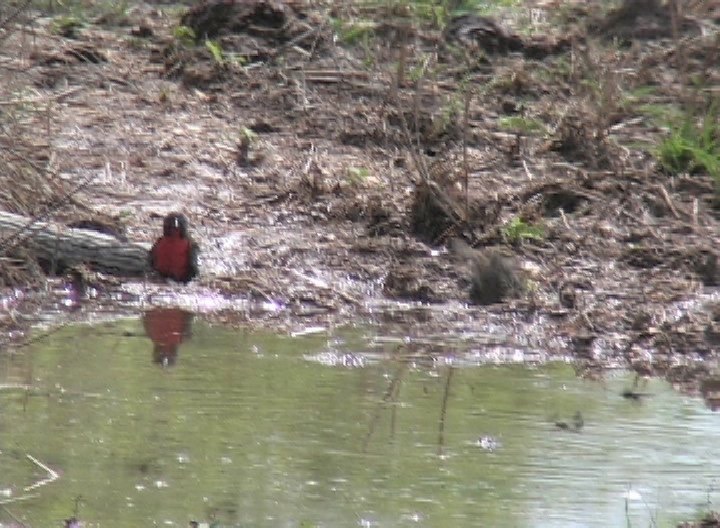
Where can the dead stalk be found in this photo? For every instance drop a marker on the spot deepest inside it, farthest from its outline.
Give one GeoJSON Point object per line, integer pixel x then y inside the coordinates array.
{"type": "Point", "coordinates": [443, 411]}
{"type": "Point", "coordinates": [466, 128]}
{"type": "Point", "coordinates": [402, 58]}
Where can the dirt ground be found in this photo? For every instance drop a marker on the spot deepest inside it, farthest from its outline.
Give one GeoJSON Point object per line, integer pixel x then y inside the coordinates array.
{"type": "Point", "coordinates": [327, 153]}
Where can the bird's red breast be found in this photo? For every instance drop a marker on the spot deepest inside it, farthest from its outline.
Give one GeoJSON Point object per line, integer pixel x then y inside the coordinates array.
{"type": "Point", "coordinates": [171, 257]}
{"type": "Point", "coordinates": [174, 255]}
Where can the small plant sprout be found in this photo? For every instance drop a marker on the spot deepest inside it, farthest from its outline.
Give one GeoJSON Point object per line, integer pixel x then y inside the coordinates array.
{"type": "Point", "coordinates": [419, 72]}
{"type": "Point", "coordinates": [216, 50]}
{"type": "Point", "coordinates": [248, 135]}
{"type": "Point", "coordinates": [164, 95]}
{"type": "Point", "coordinates": [66, 26]}
{"type": "Point", "coordinates": [357, 175]}
{"type": "Point", "coordinates": [517, 230]}
{"type": "Point", "coordinates": [185, 35]}
{"type": "Point", "coordinates": [359, 31]}
{"type": "Point", "coordinates": [522, 125]}
{"type": "Point", "coordinates": [247, 138]}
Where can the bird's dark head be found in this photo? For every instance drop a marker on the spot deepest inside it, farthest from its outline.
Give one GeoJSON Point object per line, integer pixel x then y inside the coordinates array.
{"type": "Point", "coordinates": [175, 224]}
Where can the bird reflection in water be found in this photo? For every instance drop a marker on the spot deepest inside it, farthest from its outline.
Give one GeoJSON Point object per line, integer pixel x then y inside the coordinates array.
{"type": "Point", "coordinates": [167, 328]}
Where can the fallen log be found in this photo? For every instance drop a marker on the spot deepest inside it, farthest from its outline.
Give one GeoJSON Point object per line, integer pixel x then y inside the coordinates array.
{"type": "Point", "coordinates": [59, 246]}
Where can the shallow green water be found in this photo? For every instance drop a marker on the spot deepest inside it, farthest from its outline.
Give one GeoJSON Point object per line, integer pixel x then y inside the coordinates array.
{"type": "Point", "coordinates": [257, 430]}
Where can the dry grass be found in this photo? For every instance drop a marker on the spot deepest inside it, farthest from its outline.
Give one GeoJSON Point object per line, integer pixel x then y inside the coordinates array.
{"type": "Point", "coordinates": [25, 118]}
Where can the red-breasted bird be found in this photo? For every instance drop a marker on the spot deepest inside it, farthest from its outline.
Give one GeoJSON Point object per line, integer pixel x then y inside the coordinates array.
{"type": "Point", "coordinates": [174, 254]}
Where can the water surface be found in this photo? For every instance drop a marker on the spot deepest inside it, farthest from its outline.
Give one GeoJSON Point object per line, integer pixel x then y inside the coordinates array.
{"type": "Point", "coordinates": [333, 429]}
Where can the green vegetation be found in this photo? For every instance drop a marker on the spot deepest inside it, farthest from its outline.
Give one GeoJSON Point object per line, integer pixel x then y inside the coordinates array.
{"type": "Point", "coordinates": [357, 175]}
{"type": "Point", "coordinates": [358, 31]}
{"type": "Point", "coordinates": [450, 113]}
{"type": "Point", "coordinates": [66, 26]}
{"type": "Point", "coordinates": [420, 70]}
{"type": "Point", "coordinates": [435, 12]}
{"type": "Point", "coordinates": [557, 69]}
{"type": "Point", "coordinates": [514, 82]}
{"type": "Point", "coordinates": [517, 230]}
{"type": "Point", "coordinates": [216, 50]}
{"type": "Point", "coordinates": [486, 7]}
{"type": "Point", "coordinates": [635, 100]}
{"type": "Point", "coordinates": [248, 135]}
{"type": "Point", "coordinates": [431, 8]}
{"type": "Point", "coordinates": [522, 125]}
{"type": "Point", "coordinates": [108, 11]}
{"type": "Point", "coordinates": [640, 93]}
{"type": "Point", "coordinates": [184, 35]}
{"type": "Point", "coordinates": [660, 113]}
{"type": "Point", "coordinates": [692, 146]}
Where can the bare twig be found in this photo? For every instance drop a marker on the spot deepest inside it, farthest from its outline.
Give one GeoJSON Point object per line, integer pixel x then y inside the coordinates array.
{"type": "Point", "coordinates": [527, 171]}
{"type": "Point", "coordinates": [668, 201]}
{"type": "Point", "coordinates": [466, 169]}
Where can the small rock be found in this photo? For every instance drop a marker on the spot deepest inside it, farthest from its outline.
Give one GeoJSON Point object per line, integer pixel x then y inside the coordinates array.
{"type": "Point", "coordinates": [142, 31]}
{"type": "Point", "coordinates": [567, 296]}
